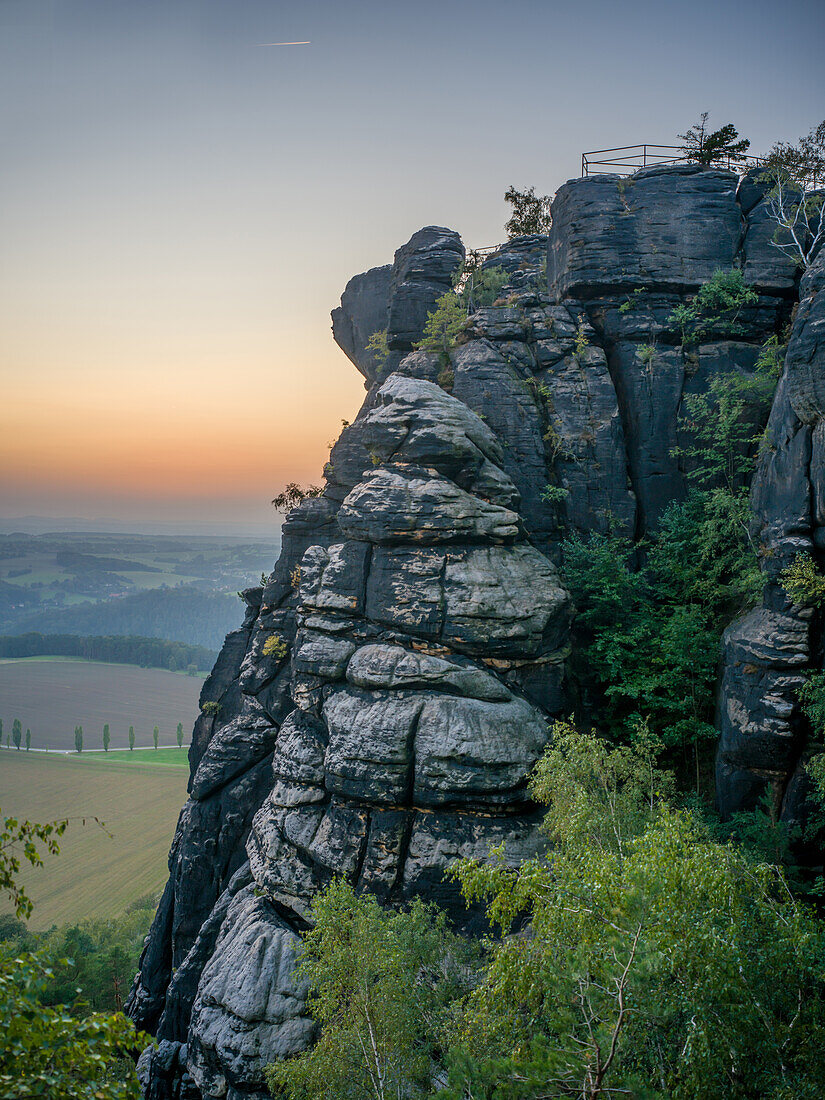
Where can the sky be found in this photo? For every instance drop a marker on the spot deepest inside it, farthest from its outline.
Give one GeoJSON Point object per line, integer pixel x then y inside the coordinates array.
{"type": "Point", "coordinates": [181, 205]}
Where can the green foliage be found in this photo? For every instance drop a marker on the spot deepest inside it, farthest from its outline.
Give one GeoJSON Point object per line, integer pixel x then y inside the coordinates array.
{"type": "Point", "coordinates": [19, 842]}
{"type": "Point", "coordinates": [17, 733]}
{"type": "Point", "coordinates": [556, 444]}
{"type": "Point", "coordinates": [380, 988]}
{"type": "Point", "coordinates": [78, 738]}
{"type": "Point", "coordinates": [28, 739]}
{"type": "Point", "coordinates": [723, 423]}
{"type": "Point", "coordinates": [379, 349]}
{"type": "Point", "coordinates": [647, 353]}
{"type": "Point", "coordinates": [155, 735]}
{"type": "Point", "coordinates": [630, 302]}
{"type": "Point", "coordinates": [293, 494]}
{"type": "Point", "coordinates": [179, 734]}
{"type": "Point", "coordinates": [554, 494]}
{"type": "Point", "coordinates": [655, 961]}
{"type": "Point", "coordinates": [275, 646]}
{"type": "Point", "coordinates": [49, 1051]}
{"type": "Point", "coordinates": [803, 582]}
{"type": "Point", "coordinates": [210, 707]}
{"type": "Point", "coordinates": [718, 147]}
{"type": "Point", "coordinates": [478, 286]}
{"type": "Point", "coordinates": [446, 379]}
{"type": "Point", "coordinates": [812, 696]}
{"type": "Point", "coordinates": [715, 307]}
{"type": "Point", "coordinates": [646, 640]}
{"type": "Point", "coordinates": [445, 325]}
{"type": "Point", "coordinates": [106, 737]}
{"type": "Point", "coordinates": [131, 738]}
{"type": "Point", "coordinates": [93, 962]}
{"type": "Point", "coordinates": [531, 212]}
{"type": "Point", "coordinates": [581, 343]}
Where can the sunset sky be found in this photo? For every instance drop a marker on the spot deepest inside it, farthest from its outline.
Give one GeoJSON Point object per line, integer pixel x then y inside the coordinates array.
{"type": "Point", "coordinates": [181, 206]}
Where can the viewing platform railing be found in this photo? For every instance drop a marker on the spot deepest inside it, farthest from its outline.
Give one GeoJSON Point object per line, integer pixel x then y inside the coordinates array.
{"type": "Point", "coordinates": [626, 159]}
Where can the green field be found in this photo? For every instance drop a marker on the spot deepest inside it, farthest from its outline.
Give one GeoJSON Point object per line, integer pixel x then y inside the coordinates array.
{"type": "Point", "coordinates": [137, 795]}
{"type": "Point", "coordinates": [51, 697]}
{"type": "Point", "coordinates": [141, 758]}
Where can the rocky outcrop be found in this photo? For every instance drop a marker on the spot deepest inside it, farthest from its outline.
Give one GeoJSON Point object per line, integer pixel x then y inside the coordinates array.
{"type": "Point", "coordinates": [396, 299]}
{"type": "Point", "coordinates": [363, 311]}
{"type": "Point", "coordinates": [379, 711]}
{"type": "Point", "coordinates": [769, 653]}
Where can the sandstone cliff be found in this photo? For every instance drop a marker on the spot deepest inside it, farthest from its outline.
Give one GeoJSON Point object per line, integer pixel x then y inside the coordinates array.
{"type": "Point", "coordinates": [380, 708]}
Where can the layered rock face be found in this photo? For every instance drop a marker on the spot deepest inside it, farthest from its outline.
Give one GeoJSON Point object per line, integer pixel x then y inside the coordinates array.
{"type": "Point", "coordinates": [379, 711]}
{"type": "Point", "coordinates": [770, 652]}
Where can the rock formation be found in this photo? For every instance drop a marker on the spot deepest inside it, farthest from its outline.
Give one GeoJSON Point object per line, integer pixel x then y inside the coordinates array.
{"type": "Point", "coordinates": [763, 733]}
{"type": "Point", "coordinates": [379, 710]}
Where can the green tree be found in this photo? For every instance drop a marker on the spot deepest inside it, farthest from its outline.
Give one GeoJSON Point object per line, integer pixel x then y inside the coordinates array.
{"type": "Point", "coordinates": [28, 739]}
{"type": "Point", "coordinates": [47, 1053]}
{"type": "Point", "coordinates": [380, 988]}
{"type": "Point", "coordinates": [106, 737]}
{"type": "Point", "coordinates": [98, 957]}
{"type": "Point", "coordinates": [477, 285]}
{"type": "Point", "coordinates": [379, 347]}
{"type": "Point", "coordinates": [654, 962]}
{"type": "Point", "coordinates": [803, 582]}
{"type": "Point", "coordinates": [444, 326]}
{"type": "Point", "coordinates": [155, 734]}
{"type": "Point", "coordinates": [531, 212]}
{"type": "Point", "coordinates": [131, 738]}
{"type": "Point", "coordinates": [812, 695]}
{"type": "Point", "coordinates": [78, 738]}
{"type": "Point", "coordinates": [17, 733]}
{"type": "Point", "coordinates": [293, 495]}
{"type": "Point", "coordinates": [19, 842]}
{"type": "Point", "coordinates": [179, 734]}
{"type": "Point", "coordinates": [717, 147]}
{"type": "Point", "coordinates": [715, 308]}
{"type": "Point", "coordinates": [646, 639]}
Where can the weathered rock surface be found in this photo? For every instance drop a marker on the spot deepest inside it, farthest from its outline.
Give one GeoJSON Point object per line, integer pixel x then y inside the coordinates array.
{"type": "Point", "coordinates": [363, 311]}
{"type": "Point", "coordinates": [421, 626]}
{"type": "Point", "coordinates": [421, 272]}
{"type": "Point", "coordinates": [250, 1005]}
{"type": "Point", "coordinates": [665, 228]}
{"type": "Point", "coordinates": [769, 654]}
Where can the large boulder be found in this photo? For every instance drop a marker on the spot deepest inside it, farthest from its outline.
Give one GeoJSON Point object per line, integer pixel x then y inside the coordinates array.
{"type": "Point", "coordinates": [664, 228]}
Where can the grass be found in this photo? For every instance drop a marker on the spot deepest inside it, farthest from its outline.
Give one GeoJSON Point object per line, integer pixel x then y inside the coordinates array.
{"type": "Point", "coordinates": [140, 758]}
{"type": "Point", "coordinates": [96, 874]}
{"type": "Point", "coordinates": [53, 696]}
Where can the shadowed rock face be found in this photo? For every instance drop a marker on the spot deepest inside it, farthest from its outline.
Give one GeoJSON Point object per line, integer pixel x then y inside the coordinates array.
{"type": "Point", "coordinates": [421, 628]}
{"type": "Point", "coordinates": [770, 652]}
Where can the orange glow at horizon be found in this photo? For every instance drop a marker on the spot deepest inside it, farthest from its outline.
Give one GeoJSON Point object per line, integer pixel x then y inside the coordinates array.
{"type": "Point", "coordinates": [217, 429]}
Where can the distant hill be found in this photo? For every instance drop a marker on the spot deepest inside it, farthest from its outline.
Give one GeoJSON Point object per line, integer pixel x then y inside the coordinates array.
{"type": "Point", "coordinates": [181, 614]}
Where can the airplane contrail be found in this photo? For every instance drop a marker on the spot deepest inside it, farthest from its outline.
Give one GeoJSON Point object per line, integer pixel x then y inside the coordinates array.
{"type": "Point", "coordinates": [283, 43]}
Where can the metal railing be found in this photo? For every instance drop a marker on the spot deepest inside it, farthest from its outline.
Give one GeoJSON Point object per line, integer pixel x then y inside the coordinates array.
{"type": "Point", "coordinates": [626, 159]}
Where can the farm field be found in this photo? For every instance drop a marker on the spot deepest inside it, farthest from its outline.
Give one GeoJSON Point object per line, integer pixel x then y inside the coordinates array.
{"type": "Point", "coordinates": [95, 874]}
{"type": "Point", "coordinates": [52, 696]}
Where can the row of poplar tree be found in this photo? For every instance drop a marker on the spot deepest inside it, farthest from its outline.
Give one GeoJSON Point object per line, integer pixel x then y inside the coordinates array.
{"type": "Point", "coordinates": [18, 738]}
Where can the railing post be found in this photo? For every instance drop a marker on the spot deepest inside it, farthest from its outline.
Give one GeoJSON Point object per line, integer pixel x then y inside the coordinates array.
{"type": "Point", "coordinates": [644, 156]}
